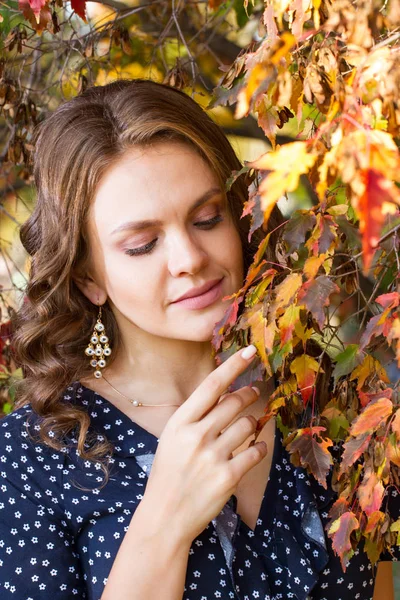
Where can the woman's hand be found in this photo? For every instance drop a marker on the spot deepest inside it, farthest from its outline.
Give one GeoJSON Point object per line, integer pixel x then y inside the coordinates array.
{"type": "Point", "coordinates": [193, 473]}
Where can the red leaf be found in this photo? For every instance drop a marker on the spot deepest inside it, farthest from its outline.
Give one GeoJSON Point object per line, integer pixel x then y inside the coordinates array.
{"type": "Point", "coordinates": [79, 6]}
{"type": "Point", "coordinates": [389, 300]}
{"type": "Point", "coordinates": [222, 326]}
{"type": "Point", "coordinates": [379, 193]}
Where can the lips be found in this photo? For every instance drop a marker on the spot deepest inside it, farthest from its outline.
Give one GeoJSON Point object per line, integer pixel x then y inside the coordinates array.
{"type": "Point", "coordinates": [199, 290]}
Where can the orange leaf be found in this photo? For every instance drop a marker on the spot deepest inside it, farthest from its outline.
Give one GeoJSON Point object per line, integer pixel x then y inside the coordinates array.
{"type": "Point", "coordinates": [353, 448]}
{"type": "Point", "coordinates": [372, 416]}
{"type": "Point", "coordinates": [370, 492]}
{"type": "Point", "coordinates": [396, 424]}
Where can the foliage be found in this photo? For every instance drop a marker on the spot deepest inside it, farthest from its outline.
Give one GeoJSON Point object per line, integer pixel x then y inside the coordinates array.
{"type": "Point", "coordinates": [325, 317]}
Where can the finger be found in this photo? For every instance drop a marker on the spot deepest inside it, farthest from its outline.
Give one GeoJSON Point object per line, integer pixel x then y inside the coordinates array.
{"type": "Point", "coordinates": [207, 394]}
{"type": "Point", "coordinates": [245, 460]}
{"type": "Point", "coordinates": [235, 435]}
{"type": "Point", "coordinates": [222, 415]}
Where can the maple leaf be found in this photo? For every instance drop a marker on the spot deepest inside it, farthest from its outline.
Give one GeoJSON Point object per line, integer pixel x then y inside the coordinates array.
{"type": "Point", "coordinates": [262, 333]}
{"type": "Point", "coordinates": [372, 416]}
{"type": "Point", "coordinates": [288, 322]}
{"type": "Point", "coordinates": [35, 5]}
{"type": "Point", "coordinates": [227, 321]}
{"type": "Point", "coordinates": [370, 491]}
{"type": "Point", "coordinates": [296, 229]}
{"type": "Point", "coordinates": [346, 361]}
{"type": "Point", "coordinates": [340, 531]}
{"type": "Point", "coordinates": [394, 335]}
{"type": "Point", "coordinates": [313, 454]}
{"type": "Point", "coordinates": [396, 423]}
{"type": "Point", "coordinates": [285, 293]}
{"type": "Point", "coordinates": [369, 366]}
{"type": "Point", "coordinates": [323, 235]}
{"type": "Point", "coordinates": [304, 368]}
{"type": "Point", "coordinates": [379, 197]}
{"type": "Point", "coordinates": [286, 164]}
{"type": "Point", "coordinates": [353, 448]}
{"type": "Point", "coordinates": [314, 294]}
{"type": "Point", "coordinates": [79, 6]}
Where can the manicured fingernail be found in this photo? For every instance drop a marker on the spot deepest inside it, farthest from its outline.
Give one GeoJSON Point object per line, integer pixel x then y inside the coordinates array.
{"type": "Point", "coordinates": [257, 391]}
{"type": "Point", "coordinates": [249, 352]}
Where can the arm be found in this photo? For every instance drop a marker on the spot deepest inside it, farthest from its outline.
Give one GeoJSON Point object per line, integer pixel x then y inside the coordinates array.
{"type": "Point", "coordinates": [152, 559]}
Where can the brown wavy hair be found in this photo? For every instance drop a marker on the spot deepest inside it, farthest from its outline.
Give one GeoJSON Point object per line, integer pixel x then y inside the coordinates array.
{"type": "Point", "coordinates": [74, 147]}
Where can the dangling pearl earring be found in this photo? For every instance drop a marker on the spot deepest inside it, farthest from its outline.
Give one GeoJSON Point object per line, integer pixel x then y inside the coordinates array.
{"type": "Point", "coordinates": [98, 337]}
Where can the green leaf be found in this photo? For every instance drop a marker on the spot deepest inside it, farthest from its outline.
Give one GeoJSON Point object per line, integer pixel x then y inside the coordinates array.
{"type": "Point", "coordinates": [347, 361]}
{"type": "Point", "coordinates": [7, 408]}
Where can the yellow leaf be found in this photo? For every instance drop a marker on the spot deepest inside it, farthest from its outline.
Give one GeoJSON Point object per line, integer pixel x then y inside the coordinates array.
{"type": "Point", "coordinates": [313, 263]}
{"type": "Point", "coordinates": [287, 163]}
{"type": "Point", "coordinates": [368, 366]}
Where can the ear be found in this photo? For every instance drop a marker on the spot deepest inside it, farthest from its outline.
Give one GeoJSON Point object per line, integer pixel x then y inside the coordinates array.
{"type": "Point", "coordinates": [90, 288]}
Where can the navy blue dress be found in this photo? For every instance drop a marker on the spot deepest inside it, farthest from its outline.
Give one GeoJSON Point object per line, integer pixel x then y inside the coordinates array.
{"type": "Point", "coordinates": [59, 535]}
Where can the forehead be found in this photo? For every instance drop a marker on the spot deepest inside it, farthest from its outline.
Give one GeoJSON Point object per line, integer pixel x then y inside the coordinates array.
{"type": "Point", "coordinates": [148, 183]}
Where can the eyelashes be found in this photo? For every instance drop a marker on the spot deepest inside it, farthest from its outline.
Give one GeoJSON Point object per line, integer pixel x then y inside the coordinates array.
{"type": "Point", "coordinates": [147, 248]}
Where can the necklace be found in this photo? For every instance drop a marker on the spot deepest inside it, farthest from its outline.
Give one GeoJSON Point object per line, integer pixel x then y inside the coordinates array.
{"type": "Point", "coordinates": [135, 402]}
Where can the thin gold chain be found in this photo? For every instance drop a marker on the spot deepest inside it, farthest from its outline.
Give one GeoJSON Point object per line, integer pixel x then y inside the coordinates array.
{"type": "Point", "coordinates": [135, 402]}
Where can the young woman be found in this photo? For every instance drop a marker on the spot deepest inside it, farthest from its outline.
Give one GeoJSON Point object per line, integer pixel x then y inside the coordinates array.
{"type": "Point", "coordinates": [127, 468]}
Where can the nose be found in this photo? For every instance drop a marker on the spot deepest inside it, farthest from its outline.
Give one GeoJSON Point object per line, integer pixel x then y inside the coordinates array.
{"type": "Point", "coordinates": [186, 255]}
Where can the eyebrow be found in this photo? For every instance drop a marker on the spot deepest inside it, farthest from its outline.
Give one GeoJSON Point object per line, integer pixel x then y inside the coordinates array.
{"type": "Point", "coordinates": [140, 225]}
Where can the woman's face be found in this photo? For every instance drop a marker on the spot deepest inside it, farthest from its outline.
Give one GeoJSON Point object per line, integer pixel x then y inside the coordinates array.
{"type": "Point", "coordinates": [142, 268]}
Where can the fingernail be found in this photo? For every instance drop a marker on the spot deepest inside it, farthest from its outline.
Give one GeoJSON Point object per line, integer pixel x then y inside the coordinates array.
{"type": "Point", "coordinates": [249, 352]}
{"type": "Point", "coordinates": [257, 391]}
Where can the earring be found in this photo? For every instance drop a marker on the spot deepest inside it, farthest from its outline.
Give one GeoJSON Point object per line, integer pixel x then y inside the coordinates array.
{"type": "Point", "coordinates": [98, 337]}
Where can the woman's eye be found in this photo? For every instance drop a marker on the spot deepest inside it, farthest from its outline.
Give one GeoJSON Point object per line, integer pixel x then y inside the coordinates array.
{"type": "Point", "coordinates": [147, 248]}
{"type": "Point", "coordinates": [142, 249]}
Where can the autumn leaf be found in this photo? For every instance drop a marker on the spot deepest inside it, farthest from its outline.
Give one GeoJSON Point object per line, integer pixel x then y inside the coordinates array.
{"type": "Point", "coordinates": [296, 229]}
{"type": "Point", "coordinates": [369, 366]}
{"type": "Point", "coordinates": [323, 235]}
{"type": "Point", "coordinates": [285, 293]}
{"type": "Point", "coordinates": [372, 416]}
{"type": "Point", "coordinates": [227, 321]}
{"type": "Point", "coordinates": [340, 531]}
{"type": "Point", "coordinates": [35, 5]}
{"type": "Point", "coordinates": [79, 6]}
{"type": "Point", "coordinates": [353, 448]}
{"type": "Point", "coordinates": [394, 336]}
{"type": "Point", "coordinates": [287, 323]}
{"type": "Point", "coordinates": [286, 164]}
{"type": "Point", "coordinates": [370, 492]}
{"type": "Point", "coordinates": [346, 361]}
{"type": "Point", "coordinates": [315, 295]}
{"type": "Point", "coordinates": [313, 454]}
{"type": "Point", "coordinates": [396, 423]}
{"type": "Point", "coordinates": [304, 368]}
{"type": "Point", "coordinates": [379, 197]}
{"type": "Point", "coordinates": [262, 333]}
